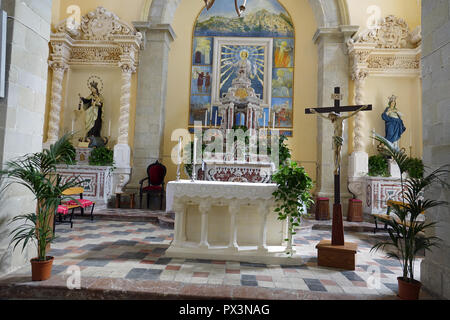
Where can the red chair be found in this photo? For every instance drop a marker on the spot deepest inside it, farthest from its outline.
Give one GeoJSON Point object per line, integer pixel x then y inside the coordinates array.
{"type": "Point", "coordinates": [156, 173]}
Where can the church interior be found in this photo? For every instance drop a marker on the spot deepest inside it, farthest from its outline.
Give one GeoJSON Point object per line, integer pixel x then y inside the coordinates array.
{"type": "Point", "coordinates": [225, 149]}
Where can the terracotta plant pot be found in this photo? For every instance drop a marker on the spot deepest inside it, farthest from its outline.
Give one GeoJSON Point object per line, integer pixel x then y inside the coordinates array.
{"type": "Point", "coordinates": [408, 290]}
{"type": "Point", "coordinates": [41, 270]}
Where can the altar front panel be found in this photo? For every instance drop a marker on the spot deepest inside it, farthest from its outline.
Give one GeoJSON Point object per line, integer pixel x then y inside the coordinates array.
{"type": "Point", "coordinates": [97, 181]}
{"type": "Point", "coordinates": [248, 222]}
{"type": "Point", "coordinates": [227, 221]}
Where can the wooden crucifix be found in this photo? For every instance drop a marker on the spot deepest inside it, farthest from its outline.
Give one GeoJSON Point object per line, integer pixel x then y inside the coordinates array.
{"type": "Point", "coordinates": [334, 115]}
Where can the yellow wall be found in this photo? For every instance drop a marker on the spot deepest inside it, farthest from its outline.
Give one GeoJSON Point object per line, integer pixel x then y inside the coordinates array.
{"type": "Point", "coordinates": [305, 80]}
{"type": "Point", "coordinates": [406, 9]}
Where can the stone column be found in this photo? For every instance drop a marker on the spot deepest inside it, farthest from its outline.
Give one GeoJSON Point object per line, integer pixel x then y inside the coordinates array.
{"type": "Point", "coordinates": [358, 166]}
{"type": "Point", "coordinates": [263, 211]}
{"type": "Point", "coordinates": [151, 97]}
{"type": "Point", "coordinates": [233, 209]}
{"type": "Point", "coordinates": [122, 151]}
{"type": "Point", "coordinates": [180, 211]}
{"type": "Point", "coordinates": [204, 209]}
{"type": "Point", "coordinates": [58, 70]}
{"type": "Point", "coordinates": [333, 72]}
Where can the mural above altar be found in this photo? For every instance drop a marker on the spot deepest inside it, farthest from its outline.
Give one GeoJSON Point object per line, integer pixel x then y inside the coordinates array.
{"type": "Point", "coordinates": [267, 49]}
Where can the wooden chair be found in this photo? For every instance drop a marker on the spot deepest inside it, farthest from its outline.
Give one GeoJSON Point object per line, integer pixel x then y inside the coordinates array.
{"type": "Point", "coordinates": [63, 210]}
{"type": "Point", "coordinates": [156, 174]}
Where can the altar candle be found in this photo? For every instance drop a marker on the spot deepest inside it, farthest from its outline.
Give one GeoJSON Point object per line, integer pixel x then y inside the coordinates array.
{"type": "Point", "coordinates": [195, 152]}
{"type": "Point", "coordinates": [206, 118]}
{"type": "Point", "coordinates": [179, 150]}
{"type": "Point", "coordinates": [109, 129]}
{"type": "Point", "coordinates": [264, 121]}
{"type": "Point", "coordinates": [73, 124]}
{"type": "Point", "coordinates": [274, 115]}
{"type": "Point", "coordinates": [216, 118]}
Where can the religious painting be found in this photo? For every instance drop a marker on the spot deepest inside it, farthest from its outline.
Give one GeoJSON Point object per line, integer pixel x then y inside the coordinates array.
{"type": "Point", "coordinates": [283, 53]}
{"type": "Point", "coordinates": [283, 112]}
{"type": "Point", "coordinates": [200, 108]}
{"type": "Point", "coordinates": [282, 82]}
{"type": "Point", "coordinates": [263, 18]}
{"type": "Point", "coordinates": [202, 51]}
{"type": "Point", "coordinates": [201, 80]}
{"type": "Point", "coordinates": [232, 53]}
{"type": "Point", "coordinates": [286, 133]}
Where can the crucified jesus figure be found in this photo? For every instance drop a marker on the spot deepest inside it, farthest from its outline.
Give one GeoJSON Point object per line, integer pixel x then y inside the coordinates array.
{"type": "Point", "coordinates": [338, 138]}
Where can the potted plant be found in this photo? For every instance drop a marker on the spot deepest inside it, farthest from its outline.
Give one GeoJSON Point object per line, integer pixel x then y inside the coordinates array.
{"type": "Point", "coordinates": [408, 233]}
{"type": "Point", "coordinates": [293, 196]}
{"type": "Point", "coordinates": [37, 173]}
{"type": "Point", "coordinates": [101, 156]}
{"type": "Point", "coordinates": [378, 166]}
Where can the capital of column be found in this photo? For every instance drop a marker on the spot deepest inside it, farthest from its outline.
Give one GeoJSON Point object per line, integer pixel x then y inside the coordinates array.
{"type": "Point", "coordinates": [58, 66]}
{"type": "Point", "coordinates": [339, 34]}
{"type": "Point", "coordinates": [234, 207]}
{"type": "Point", "coordinates": [204, 207]}
{"type": "Point", "coordinates": [178, 206]}
{"type": "Point", "coordinates": [155, 31]}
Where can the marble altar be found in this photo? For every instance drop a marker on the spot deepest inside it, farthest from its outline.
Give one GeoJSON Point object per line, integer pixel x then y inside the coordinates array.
{"type": "Point", "coordinates": [227, 221]}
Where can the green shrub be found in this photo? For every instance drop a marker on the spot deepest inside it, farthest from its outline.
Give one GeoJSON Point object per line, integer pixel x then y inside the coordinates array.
{"type": "Point", "coordinates": [378, 166]}
{"type": "Point", "coordinates": [101, 156]}
{"type": "Point", "coordinates": [415, 168]}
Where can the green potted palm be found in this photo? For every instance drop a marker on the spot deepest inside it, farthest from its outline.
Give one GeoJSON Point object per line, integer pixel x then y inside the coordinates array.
{"type": "Point", "coordinates": [37, 173]}
{"type": "Point", "coordinates": [408, 234]}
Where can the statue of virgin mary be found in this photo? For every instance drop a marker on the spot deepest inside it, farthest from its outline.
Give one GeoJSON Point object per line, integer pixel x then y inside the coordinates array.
{"type": "Point", "coordinates": [93, 107]}
{"type": "Point", "coordinates": [394, 123]}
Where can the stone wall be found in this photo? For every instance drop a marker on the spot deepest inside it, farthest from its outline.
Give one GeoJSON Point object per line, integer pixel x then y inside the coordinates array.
{"type": "Point", "coordinates": [435, 271]}
{"type": "Point", "coordinates": [22, 111]}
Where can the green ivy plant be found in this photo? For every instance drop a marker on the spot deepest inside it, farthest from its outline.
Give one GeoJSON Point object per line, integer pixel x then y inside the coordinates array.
{"type": "Point", "coordinates": [378, 166]}
{"type": "Point", "coordinates": [294, 186]}
{"type": "Point", "coordinates": [101, 156]}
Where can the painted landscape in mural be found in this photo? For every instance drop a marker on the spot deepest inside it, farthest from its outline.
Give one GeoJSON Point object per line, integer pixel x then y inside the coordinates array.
{"type": "Point", "coordinates": [264, 18]}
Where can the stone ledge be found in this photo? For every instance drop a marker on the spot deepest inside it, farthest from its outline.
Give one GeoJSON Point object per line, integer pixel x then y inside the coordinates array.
{"type": "Point", "coordinates": [121, 289]}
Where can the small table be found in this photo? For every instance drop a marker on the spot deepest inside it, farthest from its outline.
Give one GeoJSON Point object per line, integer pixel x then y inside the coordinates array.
{"type": "Point", "coordinates": [119, 197]}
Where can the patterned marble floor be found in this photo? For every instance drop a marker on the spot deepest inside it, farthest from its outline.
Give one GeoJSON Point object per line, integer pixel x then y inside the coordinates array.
{"type": "Point", "coordinates": [135, 251]}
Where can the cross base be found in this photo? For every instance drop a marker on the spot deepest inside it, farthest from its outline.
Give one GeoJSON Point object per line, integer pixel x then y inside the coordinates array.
{"type": "Point", "coordinates": [337, 235]}
{"type": "Point", "coordinates": [340, 257]}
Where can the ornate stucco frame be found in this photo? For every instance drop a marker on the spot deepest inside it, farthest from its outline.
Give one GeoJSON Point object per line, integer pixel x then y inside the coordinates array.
{"type": "Point", "coordinates": [102, 39]}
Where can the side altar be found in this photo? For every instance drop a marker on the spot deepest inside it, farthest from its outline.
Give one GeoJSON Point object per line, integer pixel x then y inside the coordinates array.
{"type": "Point", "coordinates": [227, 221]}
{"type": "Point", "coordinates": [97, 181]}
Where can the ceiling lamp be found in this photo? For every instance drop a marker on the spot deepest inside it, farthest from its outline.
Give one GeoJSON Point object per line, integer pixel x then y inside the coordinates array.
{"type": "Point", "coordinates": [239, 8]}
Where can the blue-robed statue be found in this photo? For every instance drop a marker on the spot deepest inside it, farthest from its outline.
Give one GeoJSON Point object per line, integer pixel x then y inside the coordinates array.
{"type": "Point", "coordinates": [394, 123]}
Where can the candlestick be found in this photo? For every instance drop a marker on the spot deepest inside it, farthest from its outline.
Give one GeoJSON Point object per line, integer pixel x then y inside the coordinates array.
{"type": "Point", "coordinates": [274, 115]}
{"type": "Point", "coordinates": [194, 175]}
{"type": "Point", "coordinates": [179, 159]}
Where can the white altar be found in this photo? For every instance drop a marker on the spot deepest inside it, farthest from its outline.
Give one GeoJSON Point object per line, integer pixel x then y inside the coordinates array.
{"type": "Point", "coordinates": [227, 221]}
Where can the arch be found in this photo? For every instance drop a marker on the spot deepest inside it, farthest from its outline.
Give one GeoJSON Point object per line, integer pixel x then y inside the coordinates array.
{"type": "Point", "coordinates": [328, 13]}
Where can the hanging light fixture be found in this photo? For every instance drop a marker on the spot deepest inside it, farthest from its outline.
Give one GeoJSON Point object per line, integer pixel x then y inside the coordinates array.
{"type": "Point", "coordinates": [239, 8]}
